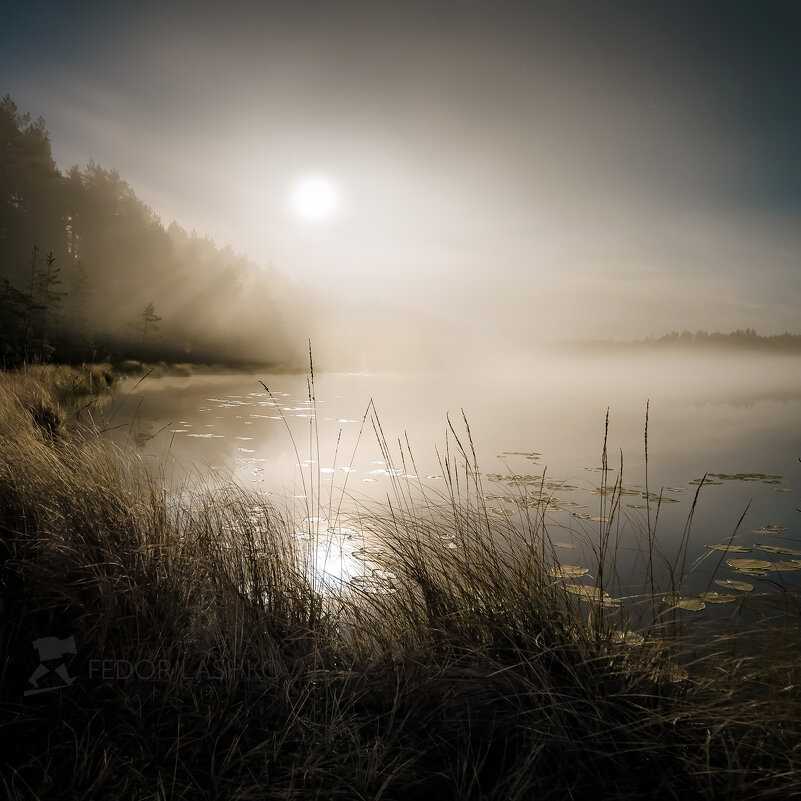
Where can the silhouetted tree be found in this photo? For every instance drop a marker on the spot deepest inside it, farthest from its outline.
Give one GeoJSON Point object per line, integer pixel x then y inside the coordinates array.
{"type": "Point", "coordinates": [30, 187]}
{"type": "Point", "coordinates": [48, 299]}
{"type": "Point", "coordinates": [150, 324]}
{"type": "Point", "coordinates": [32, 306]}
{"type": "Point", "coordinates": [14, 316]}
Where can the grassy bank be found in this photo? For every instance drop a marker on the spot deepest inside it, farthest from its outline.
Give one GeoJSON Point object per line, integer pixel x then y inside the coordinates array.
{"type": "Point", "coordinates": [208, 663]}
{"type": "Point", "coordinates": [71, 383]}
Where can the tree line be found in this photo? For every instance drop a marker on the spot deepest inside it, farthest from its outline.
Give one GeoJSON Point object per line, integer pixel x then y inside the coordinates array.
{"type": "Point", "coordinates": [742, 338]}
{"type": "Point", "coordinates": [88, 270]}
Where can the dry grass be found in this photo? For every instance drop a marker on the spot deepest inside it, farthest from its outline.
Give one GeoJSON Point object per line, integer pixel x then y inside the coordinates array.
{"type": "Point", "coordinates": [478, 677]}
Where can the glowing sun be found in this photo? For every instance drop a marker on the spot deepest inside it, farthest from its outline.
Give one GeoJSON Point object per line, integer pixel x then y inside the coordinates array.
{"type": "Point", "coordinates": [314, 198]}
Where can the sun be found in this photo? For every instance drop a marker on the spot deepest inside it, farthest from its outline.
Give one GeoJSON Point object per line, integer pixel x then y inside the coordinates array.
{"type": "Point", "coordinates": [315, 198]}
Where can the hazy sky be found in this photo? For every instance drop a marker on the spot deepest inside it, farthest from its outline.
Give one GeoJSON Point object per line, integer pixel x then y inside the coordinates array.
{"type": "Point", "coordinates": [537, 169]}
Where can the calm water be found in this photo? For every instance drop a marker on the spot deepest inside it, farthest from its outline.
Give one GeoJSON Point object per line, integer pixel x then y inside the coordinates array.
{"type": "Point", "coordinates": [721, 415]}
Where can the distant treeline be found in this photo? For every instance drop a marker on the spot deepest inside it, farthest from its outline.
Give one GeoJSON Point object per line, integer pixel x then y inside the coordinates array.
{"type": "Point", "coordinates": [742, 338]}
{"type": "Point", "coordinates": [87, 270]}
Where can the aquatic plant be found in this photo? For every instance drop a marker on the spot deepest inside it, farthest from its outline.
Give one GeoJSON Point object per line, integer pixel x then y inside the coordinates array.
{"type": "Point", "coordinates": [464, 660]}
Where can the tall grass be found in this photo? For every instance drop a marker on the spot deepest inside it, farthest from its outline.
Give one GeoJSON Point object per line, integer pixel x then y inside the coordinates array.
{"type": "Point", "coordinates": [464, 671]}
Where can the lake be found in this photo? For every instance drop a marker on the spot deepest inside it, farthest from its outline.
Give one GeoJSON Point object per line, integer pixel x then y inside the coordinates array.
{"type": "Point", "coordinates": [736, 419]}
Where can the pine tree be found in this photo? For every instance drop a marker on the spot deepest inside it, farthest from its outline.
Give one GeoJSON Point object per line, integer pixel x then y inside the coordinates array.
{"type": "Point", "coordinates": [49, 300]}
{"type": "Point", "coordinates": [32, 305]}
{"type": "Point", "coordinates": [15, 309]}
{"type": "Point", "coordinates": [150, 324]}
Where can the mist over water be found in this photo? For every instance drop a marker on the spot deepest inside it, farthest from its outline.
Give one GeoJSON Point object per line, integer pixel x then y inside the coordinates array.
{"type": "Point", "coordinates": [545, 419]}
{"type": "Point", "coordinates": [384, 389]}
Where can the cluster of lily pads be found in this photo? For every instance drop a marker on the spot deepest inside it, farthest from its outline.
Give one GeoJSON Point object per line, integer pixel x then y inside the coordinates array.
{"type": "Point", "coordinates": [745, 566]}
{"type": "Point", "coordinates": [730, 589]}
{"type": "Point", "coordinates": [761, 567]}
{"type": "Point", "coordinates": [274, 402]}
{"type": "Point", "coordinates": [720, 478]}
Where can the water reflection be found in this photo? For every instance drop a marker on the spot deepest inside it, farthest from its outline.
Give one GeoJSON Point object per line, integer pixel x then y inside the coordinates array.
{"type": "Point", "coordinates": [724, 428]}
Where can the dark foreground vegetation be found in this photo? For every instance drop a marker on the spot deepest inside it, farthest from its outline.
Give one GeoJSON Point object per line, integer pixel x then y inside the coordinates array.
{"type": "Point", "coordinates": [206, 663]}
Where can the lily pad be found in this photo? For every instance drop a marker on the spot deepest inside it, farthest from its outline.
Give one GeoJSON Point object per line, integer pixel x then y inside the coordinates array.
{"type": "Point", "coordinates": [498, 512]}
{"type": "Point", "coordinates": [586, 593]}
{"type": "Point", "coordinates": [729, 548]}
{"type": "Point", "coordinates": [368, 553]}
{"type": "Point", "coordinates": [717, 597]}
{"type": "Point", "coordinates": [342, 531]}
{"type": "Point", "coordinates": [383, 574]}
{"type": "Point", "coordinates": [603, 491]}
{"type": "Point", "coordinates": [771, 528]}
{"type": "Point", "coordinates": [776, 549]}
{"type": "Point", "coordinates": [748, 564]}
{"type": "Point", "coordinates": [690, 604]}
{"type": "Point", "coordinates": [567, 571]}
{"type": "Point", "coordinates": [792, 564]}
{"type": "Point", "coordinates": [627, 638]}
{"type": "Point", "coordinates": [746, 477]}
{"type": "Point", "coordinates": [733, 584]}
